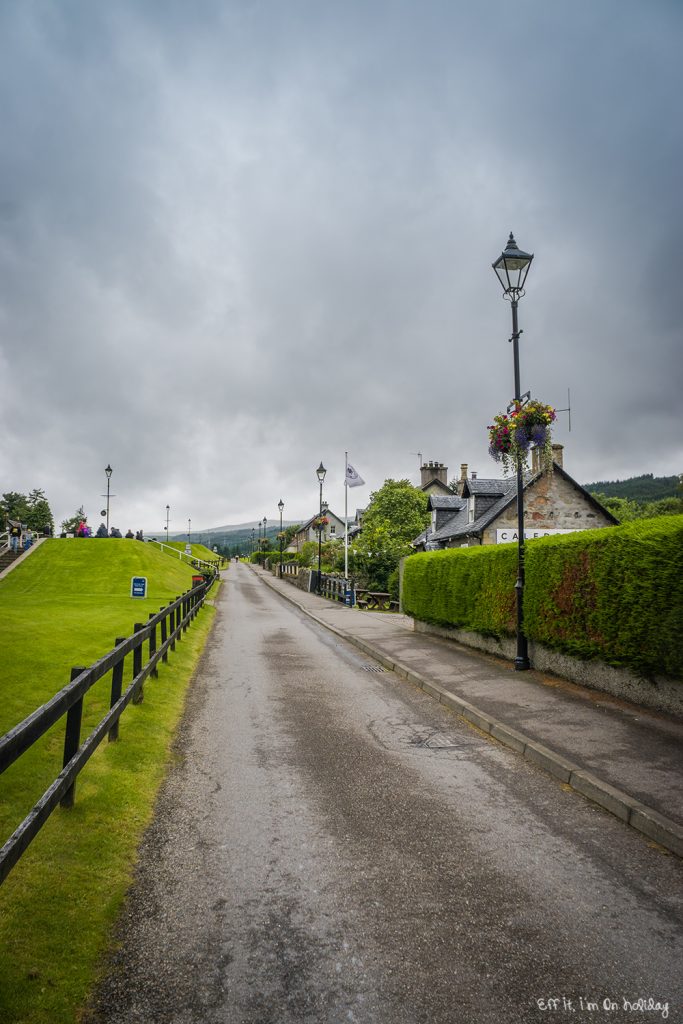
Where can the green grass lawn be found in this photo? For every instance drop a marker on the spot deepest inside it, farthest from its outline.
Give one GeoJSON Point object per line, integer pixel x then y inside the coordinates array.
{"type": "Point", "coordinates": [64, 606]}
{"type": "Point", "coordinates": [198, 550]}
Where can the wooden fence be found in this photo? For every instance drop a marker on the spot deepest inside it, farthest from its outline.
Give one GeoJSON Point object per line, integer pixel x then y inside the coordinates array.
{"type": "Point", "coordinates": [166, 626]}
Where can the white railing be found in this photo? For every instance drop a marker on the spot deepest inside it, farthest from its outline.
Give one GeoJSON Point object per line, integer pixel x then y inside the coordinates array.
{"type": "Point", "coordinates": [192, 559]}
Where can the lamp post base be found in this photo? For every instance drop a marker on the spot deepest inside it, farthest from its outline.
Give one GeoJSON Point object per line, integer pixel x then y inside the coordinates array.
{"type": "Point", "coordinates": [522, 664]}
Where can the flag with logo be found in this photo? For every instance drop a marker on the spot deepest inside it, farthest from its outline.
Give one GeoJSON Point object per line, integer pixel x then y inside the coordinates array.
{"type": "Point", "coordinates": [352, 477]}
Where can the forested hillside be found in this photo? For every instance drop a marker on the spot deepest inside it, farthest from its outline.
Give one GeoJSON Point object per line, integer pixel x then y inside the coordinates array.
{"type": "Point", "coordinates": [639, 488]}
{"type": "Point", "coordinates": [640, 497]}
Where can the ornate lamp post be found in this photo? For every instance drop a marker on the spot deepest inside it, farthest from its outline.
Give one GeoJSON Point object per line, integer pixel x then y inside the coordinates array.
{"type": "Point", "coordinates": [108, 472]}
{"type": "Point", "coordinates": [320, 473]}
{"type": "Point", "coordinates": [265, 525]}
{"type": "Point", "coordinates": [281, 506]}
{"type": "Point", "coordinates": [168, 509]}
{"type": "Point", "coordinates": [189, 532]}
{"type": "Point", "coordinates": [512, 267]}
{"type": "Point", "coordinates": [253, 531]}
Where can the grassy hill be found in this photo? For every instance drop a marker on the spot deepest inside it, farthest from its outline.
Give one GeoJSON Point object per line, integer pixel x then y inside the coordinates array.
{"type": "Point", "coordinates": [638, 488]}
{"type": "Point", "coordinates": [64, 606]}
{"type": "Point", "coordinates": [198, 550]}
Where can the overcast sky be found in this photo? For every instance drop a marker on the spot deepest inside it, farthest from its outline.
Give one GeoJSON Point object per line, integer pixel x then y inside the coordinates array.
{"type": "Point", "coordinates": [241, 237]}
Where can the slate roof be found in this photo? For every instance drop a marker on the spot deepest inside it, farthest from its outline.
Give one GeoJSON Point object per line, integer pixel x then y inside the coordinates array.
{"type": "Point", "coordinates": [459, 527]}
{"type": "Point", "coordinates": [474, 486]}
{"type": "Point", "coordinates": [441, 501]}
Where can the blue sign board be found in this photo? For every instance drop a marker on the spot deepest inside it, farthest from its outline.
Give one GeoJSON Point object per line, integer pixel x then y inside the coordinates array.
{"type": "Point", "coordinates": [138, 586]}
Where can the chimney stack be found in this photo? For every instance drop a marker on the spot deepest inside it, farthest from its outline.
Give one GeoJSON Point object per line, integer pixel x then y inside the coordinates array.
{"type": "Point", "coordinates": [433, 471]}
{"type": "Point", "coordinates": [558, 458]}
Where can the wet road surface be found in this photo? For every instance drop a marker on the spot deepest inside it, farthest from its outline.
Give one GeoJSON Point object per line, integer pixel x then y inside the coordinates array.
{"type": "Point", "coordinates": [331, 845]}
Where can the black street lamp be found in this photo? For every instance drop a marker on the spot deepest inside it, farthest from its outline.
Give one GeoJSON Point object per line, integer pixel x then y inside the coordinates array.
{"type": "Point", "coordinates": [281, 506]}
{"type": "Point", "coordinates": [320, 473]}
{"type": "Point", "coordinates": [108, 471]}
{"type": "Point", "coordinates": [512, 267]}
{"type": "Point", "coordinates": [253, 531]}
{"type": "Point", "coordinates": [168, 509]}
{"type": "Point", "coordinates": [189, 532]}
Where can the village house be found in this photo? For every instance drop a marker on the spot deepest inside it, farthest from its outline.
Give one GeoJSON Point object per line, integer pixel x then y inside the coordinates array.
{"type": "Point", "coordinates": [484, 511]}
{"type": "Point", "coordinates": [307, 532]}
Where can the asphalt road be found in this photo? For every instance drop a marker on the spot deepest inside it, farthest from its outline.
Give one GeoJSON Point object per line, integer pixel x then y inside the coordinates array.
{"type": "Point", "coordinates": [333, 846]}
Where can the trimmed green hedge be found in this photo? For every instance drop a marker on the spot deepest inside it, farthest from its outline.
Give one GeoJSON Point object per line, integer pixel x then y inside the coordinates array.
{"type": "Point", "coordinates": [615, 595]}
{"type": "Point", "coordinates": [469, 588]}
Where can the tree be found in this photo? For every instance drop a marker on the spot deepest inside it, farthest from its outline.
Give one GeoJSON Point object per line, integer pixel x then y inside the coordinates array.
{"type": "Point", "coordinates": [396, 515]}
{"type": "Point", "coordinates": [71, 525]}
{"type": "Point", "coordinates": [39, 515]}
{"type": "Point", "coordinates": [13, 506]}
{"type": "Point", "coordinates": [33, 511]}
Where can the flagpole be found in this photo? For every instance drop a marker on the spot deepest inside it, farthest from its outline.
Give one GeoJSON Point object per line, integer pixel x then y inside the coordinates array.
{"type": "Point", "coordinates": [346, 516]}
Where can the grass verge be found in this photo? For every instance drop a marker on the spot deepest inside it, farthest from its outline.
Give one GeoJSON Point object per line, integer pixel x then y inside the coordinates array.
{"type": "Point", "coordinates": [59, 903]}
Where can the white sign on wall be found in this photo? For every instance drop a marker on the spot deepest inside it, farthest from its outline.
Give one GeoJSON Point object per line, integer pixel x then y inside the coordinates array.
{"type": "Point", "coordinates": [510, 535]}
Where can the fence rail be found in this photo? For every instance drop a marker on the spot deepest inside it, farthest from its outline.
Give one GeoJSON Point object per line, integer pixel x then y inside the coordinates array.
{"type": "Point", "coordinates": [171, 622]}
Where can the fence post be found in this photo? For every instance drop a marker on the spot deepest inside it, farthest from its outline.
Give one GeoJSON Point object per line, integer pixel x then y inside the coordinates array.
{"type": "Point", "coordinates": [116, 687]}
{"type": "Point", "coordinates": [173, 625]}
{"type": "Point", "coordinates": [153, 646]}
{"type": "Point", "coordinates": [186, 610]}
{"type": "Point", "coordinates": [72, 739]}
{"type": "Point", "coordinates": [137, 664]}
{"type": "Point", "coordinates": [164, 634]}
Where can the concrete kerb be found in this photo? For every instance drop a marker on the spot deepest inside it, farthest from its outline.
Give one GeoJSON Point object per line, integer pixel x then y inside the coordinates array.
{"type": "Point", "coordinates": [639, 816]}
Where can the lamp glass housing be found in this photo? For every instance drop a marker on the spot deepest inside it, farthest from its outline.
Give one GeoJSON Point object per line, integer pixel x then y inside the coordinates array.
{"type": "Point", "coordinates": [512, 267]}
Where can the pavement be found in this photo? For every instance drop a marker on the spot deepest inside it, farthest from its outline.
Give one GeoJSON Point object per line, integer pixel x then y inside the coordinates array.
{"type": "Point", "coordinates": [626, 758]}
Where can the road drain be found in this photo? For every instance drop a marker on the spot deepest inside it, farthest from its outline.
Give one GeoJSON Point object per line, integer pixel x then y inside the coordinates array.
{"type": "Point", "coordinates": [436, 742]}
{"type": "Point", "coordinates": [372, 668]}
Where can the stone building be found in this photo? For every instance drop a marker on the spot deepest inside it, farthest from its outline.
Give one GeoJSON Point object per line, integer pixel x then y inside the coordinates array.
{"type": "Point", "coordinates": [333, 531]}
{"type": "Point", "coordinates": [484, 511]}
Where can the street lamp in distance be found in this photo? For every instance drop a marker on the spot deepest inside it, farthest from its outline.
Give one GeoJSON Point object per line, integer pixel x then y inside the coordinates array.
{"type": "Point", "coordinates": [168, 509]}
{"type": "Point", "coordinates": [320, 473]}
{"type": "Point", "coordinates": [281, 506]}
{"type": "Point", "coordinates": [512, 267]}
{"type": "Point", "coordinates": [108, 472]}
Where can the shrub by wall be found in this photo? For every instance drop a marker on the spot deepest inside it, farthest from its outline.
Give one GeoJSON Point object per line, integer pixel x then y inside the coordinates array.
{"type": "Point", "coordinates": [614, 594]}
{"type": "Point", "coordinates": [469, 588]}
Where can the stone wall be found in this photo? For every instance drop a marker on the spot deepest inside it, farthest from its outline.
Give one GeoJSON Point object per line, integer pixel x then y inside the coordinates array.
{"type": "Point", "coordinates": [551, 503]}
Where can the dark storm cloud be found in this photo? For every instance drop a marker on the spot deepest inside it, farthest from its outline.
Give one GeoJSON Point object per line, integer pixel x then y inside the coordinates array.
{"type": "Point", "coordinates": [240, 237]}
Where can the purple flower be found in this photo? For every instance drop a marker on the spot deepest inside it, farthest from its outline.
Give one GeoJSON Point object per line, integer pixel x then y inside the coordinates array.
{"type": "Point", "coordinates": [538, 433]}
{"type": "Point", "coordinates": [522, 438]}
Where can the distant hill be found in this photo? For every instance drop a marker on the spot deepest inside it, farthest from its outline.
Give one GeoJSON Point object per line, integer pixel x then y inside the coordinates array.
{"type": "Point", "coordinates": [228, 536]}
{"type": "Point", "coordinates": [638, 488]}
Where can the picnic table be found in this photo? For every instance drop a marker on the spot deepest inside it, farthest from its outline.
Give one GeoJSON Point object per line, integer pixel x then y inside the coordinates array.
{"type": "Point", "coordinates": [375, 600]}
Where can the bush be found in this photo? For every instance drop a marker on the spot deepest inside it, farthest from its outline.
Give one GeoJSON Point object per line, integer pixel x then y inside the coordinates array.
{"type": "Point", "coordinates": [614, 594]}
{"type": "Point", "coordinates": [469, 588]}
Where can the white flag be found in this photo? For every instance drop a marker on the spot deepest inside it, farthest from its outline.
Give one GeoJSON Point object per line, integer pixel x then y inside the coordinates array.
{"type": "Point", "coordinates": [352, 477]}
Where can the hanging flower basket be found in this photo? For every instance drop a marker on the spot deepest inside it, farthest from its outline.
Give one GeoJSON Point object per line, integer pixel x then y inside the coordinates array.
{"type": "Point", "coordinates": [320, 522]}
{"type": "Point", "coordinates": [512, 435]}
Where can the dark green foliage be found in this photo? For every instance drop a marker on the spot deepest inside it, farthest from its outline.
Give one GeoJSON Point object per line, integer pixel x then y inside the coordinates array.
{"type": "Point", "coordinates": [614, 595]}
{"type": "Point", "coordinates": [469, 588]}
{"type": "Point", "coordinates": [32, 510]}
{"type": "Point", "coordinates": [638, 488]}
{"type": "Point", "coordinates": [396, 515]}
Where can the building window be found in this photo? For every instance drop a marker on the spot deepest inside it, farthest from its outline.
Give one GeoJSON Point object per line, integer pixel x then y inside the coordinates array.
{"type": "Point", "coordinates": [333, 530]}
{"type": "Point", "coordinates": [470, 509]}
